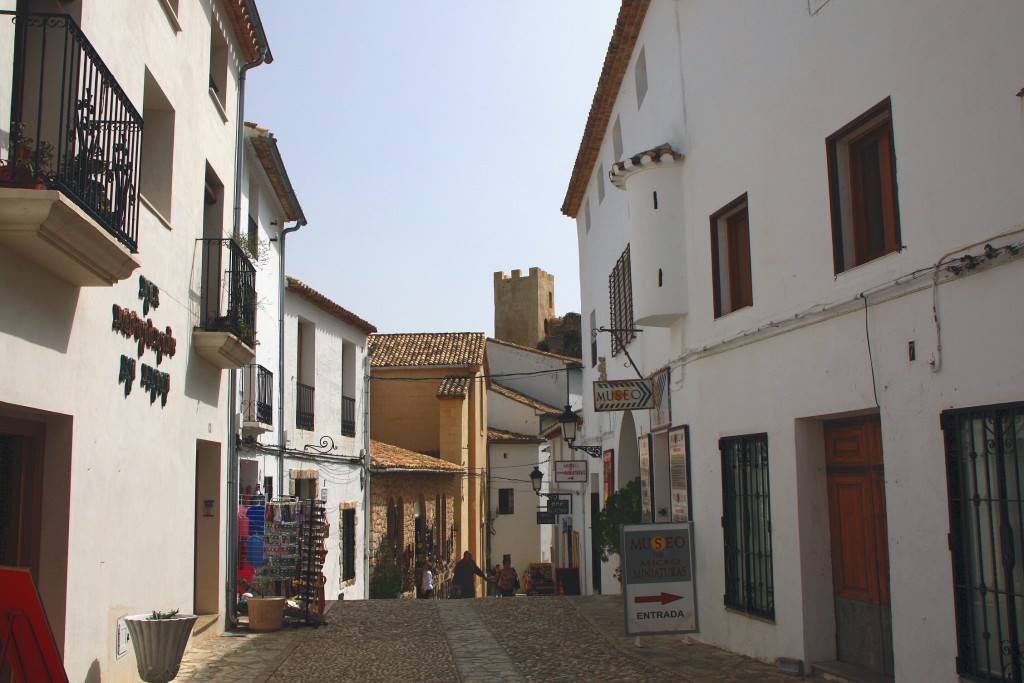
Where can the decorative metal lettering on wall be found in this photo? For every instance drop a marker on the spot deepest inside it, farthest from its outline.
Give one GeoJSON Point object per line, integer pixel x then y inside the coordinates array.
{"type": "Point", "coordinates": [131, 325]}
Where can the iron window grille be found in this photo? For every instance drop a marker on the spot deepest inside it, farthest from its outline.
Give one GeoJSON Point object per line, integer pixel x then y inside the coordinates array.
{"type": "Point", "coordinates": [620, 297]}
{"type": "Point", "coordinates": [72, 127]}
{"type": "Point", "coordinates": [348, 544]}
{"type": "Point", "coordinates": [747, 525]}
{"type": "Point", "coordinates": [228, 293]}
{"type": "Point", "coordinates": [348, 416]}
{"type": "Point", "coordinates": [304, 396]}
{"type": "Point", "coordinates": [258, 394]}
{"type": "Point", "coordinates": [985, 475]}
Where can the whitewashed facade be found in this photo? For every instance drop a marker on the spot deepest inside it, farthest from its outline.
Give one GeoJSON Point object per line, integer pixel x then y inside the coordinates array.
{"type": "Point", "coordinates": [322, 453]}
{"type": "Point", "coordinates": [119, 344]}
{"type": "Point", "coordinates": [866, 160]}
{"type": "Point", "coordinates": [527, 394]}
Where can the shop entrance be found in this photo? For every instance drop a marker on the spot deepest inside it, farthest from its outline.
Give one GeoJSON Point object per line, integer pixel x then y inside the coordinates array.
{"type": "Point", "coordinates": [206, 574]}
{"type": "Point", "coordinates": [860, 558]}
{"type": "Point", "coordinates": [20, 486]}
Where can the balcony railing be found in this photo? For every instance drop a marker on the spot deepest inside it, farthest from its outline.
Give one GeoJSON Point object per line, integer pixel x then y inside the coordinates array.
{"type": "Point", "coordinates": [303, 406]}
{"type": "Point", "coordinates": [348, 416]}
{"type": "Point", "coordinates": [72, 128]}
{"type": "Point", "coordinates": [228, 290]}
{"type": "Point", "coordinates": [257, 394]}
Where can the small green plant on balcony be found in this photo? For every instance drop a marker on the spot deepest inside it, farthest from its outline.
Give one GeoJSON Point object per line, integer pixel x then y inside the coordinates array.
{"type": "Point", "coordinates": [27, 162]}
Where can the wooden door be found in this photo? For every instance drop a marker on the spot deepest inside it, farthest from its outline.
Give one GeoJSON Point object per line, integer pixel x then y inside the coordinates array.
{"type": "Point", "coordinates": [860, 558]}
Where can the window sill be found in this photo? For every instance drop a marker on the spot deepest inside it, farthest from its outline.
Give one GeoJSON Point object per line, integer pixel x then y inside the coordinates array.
{"type": "Point", "coordinates": [218, 104]}
{"type": "Point", "coordinates": [172, 17]}
{"type": "Point", "coordinates": [156, 213]}
{"type": "Point", "coordinates": [877, 259]}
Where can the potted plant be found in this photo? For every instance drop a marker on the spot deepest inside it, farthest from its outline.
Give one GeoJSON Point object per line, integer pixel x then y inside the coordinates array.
{"type": "Point", "coordinates": [159, 640]}
{"type": "Point", "coordinates": [27, 162]}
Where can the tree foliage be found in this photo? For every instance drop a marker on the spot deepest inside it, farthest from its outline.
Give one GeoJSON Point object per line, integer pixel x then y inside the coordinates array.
{"type": "Point", "coordinates": [622, 507]}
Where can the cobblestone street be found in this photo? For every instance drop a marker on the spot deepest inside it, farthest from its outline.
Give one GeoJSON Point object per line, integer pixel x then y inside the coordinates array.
{"type": "Point", "coordinates": [520, 639]}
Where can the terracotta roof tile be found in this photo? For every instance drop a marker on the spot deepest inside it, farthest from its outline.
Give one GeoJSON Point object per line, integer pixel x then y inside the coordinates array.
{"type": "Point", "coordinates": [501, 436]}
{"type": "Point", "coordinates": [663, 154]}
{"type": "Point", "coordinates": [385, 456]}
{"type": "Point", "coordinates": [322, 302]}
{"type": "Point", "coordinates": [445, 349]}
{"type": "Point", "coordinates": [616, 61]}
{"type": "Point", "coordinates": [492, 340]}
{"type": "Point", "coordinates": [245, 20]}
{"type": "Point", "coordinates": [514, 395]}
{"type": "Point", "coordinates": [454, 387]}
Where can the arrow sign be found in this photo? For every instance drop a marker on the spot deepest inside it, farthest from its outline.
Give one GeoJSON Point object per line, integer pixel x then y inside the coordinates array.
{"type": "Point", "coordinates": [664, 598]}
{"type": "Point", "coordinates": [629, 394]}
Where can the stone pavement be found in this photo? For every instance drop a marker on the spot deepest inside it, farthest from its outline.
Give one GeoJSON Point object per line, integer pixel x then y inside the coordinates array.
{"type": "Point", "coordinates": [542, 639]}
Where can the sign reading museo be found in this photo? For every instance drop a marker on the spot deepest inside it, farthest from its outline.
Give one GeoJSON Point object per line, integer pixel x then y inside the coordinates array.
{"type": "Point", "coordinates": [657, 579]}
{"type": "Point", "coordinates": [627, 394]}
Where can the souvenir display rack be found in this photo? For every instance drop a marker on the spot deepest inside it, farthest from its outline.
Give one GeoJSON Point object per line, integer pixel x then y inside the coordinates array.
{"type": "Point", "coordinates": [280, 549]}
{"type": "Point", "coordinates": [312, 520]}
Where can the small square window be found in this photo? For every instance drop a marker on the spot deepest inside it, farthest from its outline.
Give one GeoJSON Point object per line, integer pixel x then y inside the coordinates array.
{"type": "Point", "coordinates": [506, 501]}
{"type": "Point", "coordinates": [862, 185]}
{"type": "Point", "coordinates": [730, 258]}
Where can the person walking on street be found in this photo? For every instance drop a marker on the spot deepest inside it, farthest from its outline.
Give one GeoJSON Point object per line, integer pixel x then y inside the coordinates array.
{"type": "Point", "coordinates": [427, 582]}
{"type": "Point", "coordinates": [465, 575]}
{"type": "Point", "coordinates": [508, 579]}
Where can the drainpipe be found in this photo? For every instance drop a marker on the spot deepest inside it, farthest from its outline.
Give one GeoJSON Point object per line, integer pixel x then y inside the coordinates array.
{"type": "Point", "coordinates": [232, 456]}
{"type": "Point", "coordinates": [367, 462]}
{"type": "Point", "coordinates": [281, 283]}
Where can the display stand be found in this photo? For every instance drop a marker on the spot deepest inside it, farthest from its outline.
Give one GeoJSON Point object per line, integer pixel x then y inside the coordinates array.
{"type": "Point", "coordinates": [312, 519]}
{"type": "Point", "coordinates": [280, 544]}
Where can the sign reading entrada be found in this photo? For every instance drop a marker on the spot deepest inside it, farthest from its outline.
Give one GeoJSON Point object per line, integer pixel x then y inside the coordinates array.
{"type": "Point", "coordinates": [657, 579]}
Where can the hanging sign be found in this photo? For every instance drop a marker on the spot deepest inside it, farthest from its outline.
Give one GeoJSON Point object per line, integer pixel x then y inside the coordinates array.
{"type": "Point", "coordinates": [571, 470]}
{"type": "Point", "coordinates": [546, 517]}
{"type": "Point", "coordinates": [558, 505]}
{"type": "Point", "coordinates": [629, 394]}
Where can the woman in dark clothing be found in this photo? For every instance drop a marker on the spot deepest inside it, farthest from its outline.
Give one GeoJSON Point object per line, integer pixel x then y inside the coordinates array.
{"type": "Point", "coordinates": [466, 572]}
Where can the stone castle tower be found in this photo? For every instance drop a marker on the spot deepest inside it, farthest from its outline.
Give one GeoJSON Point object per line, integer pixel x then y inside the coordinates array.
{"type": "Point", "coordinates": [523, 306]}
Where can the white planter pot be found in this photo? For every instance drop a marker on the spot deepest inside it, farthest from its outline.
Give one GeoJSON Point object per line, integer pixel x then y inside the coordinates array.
{"type": "Point", "coordinates": [159, 644]}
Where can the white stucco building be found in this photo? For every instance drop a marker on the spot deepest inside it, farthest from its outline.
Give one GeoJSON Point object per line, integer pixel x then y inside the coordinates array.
{"type": "Point", "coordinates": [310, 443]}
{"type": "Point", "coordinates": [127, 309]}
{"type": "Point", "coordinates": [811, 215]}
{"type": "Point", "coordinates": [528, 391]}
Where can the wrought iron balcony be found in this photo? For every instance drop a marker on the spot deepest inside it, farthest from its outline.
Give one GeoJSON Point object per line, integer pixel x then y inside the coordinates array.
{"type": "Point", "coordinates": [226, 334]}
{"type": "Point", "coordinates": [348, 416]}
{"type": "Point", "coordinates": [257, 397]}
{"type": "Point", "coordinates": [304, 395]}
{"type": "Point", "coordinates": [72, 127]}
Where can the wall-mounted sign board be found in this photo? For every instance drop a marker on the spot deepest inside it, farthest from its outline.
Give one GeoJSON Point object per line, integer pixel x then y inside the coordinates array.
{"type": "Point", "coordinates": [629, 394]}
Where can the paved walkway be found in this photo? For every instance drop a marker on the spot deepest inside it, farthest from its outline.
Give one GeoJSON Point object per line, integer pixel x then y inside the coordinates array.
{"type": "Point", "coordinates": [542, 639]}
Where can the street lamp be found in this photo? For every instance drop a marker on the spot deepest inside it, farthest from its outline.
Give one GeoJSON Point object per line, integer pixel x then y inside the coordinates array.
{"type": "Point", "coordinates": [570, 422]}
{"type": "Point", "coordinates": [535, 478]}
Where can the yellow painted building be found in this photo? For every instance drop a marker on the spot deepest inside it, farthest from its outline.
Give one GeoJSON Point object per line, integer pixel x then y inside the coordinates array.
{"type": "Point", "coordinates": [429, 395]}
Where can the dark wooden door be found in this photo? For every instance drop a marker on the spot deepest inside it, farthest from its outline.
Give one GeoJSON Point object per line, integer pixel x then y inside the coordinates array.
{"type": "Point", "coordinates": [860, 559]}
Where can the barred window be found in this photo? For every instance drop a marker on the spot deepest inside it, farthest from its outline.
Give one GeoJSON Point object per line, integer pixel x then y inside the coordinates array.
{"type": "Point", "coordinates": [506, 502]}
{"type": "Point", "coordinates": [348, 544]}
{"type": "Point", "coordinates": [985, 476]}
{"type": "Point", "coordinates": [747, 525]}
{"type": "Point", "coordinates": [620, 296]}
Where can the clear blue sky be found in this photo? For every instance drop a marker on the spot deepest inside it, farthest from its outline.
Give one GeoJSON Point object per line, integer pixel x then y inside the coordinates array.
{"type": "Point", "coordinates": [430, 145]}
